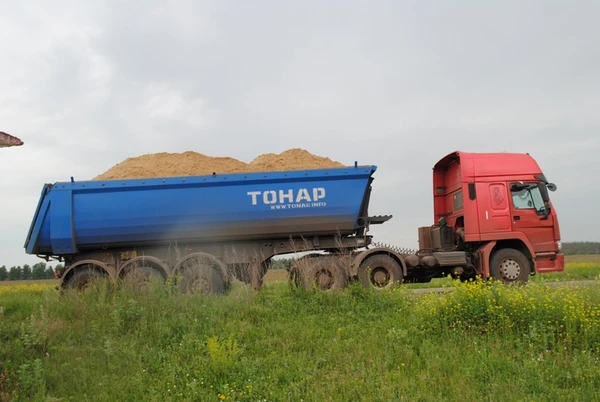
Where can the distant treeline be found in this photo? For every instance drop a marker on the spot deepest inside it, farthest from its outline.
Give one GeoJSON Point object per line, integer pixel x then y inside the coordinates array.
{"type": "Point", "coordinates": [581, 247]}
{"type": "Point", "coordinates": [281, 263]}
{"type": "Point", "coordinates": [26, 272]}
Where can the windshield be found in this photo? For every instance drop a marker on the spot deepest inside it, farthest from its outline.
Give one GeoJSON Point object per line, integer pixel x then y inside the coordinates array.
{"type": "Point", "coordinates": [529, 198]}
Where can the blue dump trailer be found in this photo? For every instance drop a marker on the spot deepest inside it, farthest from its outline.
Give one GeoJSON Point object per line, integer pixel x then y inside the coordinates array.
{"type": "Point", "coordinates": [207, 230]}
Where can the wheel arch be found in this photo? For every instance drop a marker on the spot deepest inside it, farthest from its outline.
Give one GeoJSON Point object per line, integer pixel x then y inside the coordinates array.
{"type": "Point", "coordinates": [94, 264]}
{"type": "Point", "coordinates": [518, 245]}
{"type": "Point", "coordinates": [151, 261]}
{"type": "Point", "coordinates": [358, 259]}
{"type": "Point", "coordinates": [332, 266]}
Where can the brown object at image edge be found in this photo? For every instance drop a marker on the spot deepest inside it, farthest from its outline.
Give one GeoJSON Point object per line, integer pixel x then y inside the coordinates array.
{"type": "Point", "coordinates": [7, 140]}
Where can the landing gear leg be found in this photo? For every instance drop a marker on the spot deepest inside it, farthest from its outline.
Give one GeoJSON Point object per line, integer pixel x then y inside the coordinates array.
{"type": "Point", "coordinates": [256, 275]}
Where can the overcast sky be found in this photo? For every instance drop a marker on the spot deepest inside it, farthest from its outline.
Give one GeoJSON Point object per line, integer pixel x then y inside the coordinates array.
{"type": "Point", "coordinates": [397, 84]}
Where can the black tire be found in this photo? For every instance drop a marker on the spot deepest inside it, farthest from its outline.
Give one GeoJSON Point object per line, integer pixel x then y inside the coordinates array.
{"type": "Point", "coordinates": [203, 280]}
{"type": "Point", "coordinates": [295, 277]}
{"type": "Point", "coordinates": [299, 271]}
{"type": "Point", "coordinates": [202, 273]}
{"type": "Point", "coordinates": [510, 266]}
{"type": "Point", "coordinates": [139, 277]}
{"type": "Point", "coordinates": [470, 275]}
{"type": "Point", "coordinates": [82, 278]}
{"type": "Point", "coordinates": [380, 272]}
{"type": "Point", "coordinates": [467, 278]}
{"type": "Point", "coordinates": [326, 275]}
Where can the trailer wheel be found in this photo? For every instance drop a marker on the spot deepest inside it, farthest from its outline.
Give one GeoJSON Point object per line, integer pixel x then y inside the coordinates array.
{"type": "Point", "coordinates": [202, 281]}
{"type": "Point", "coordinates": [294, 277]}
{"type": "Point", "coordinates": [298, 270]}
{"type": "Point", "coordinates": [140, 277]}
{"type": "Point", "coordinates": [326, 275]}
{"type": "Point", "coordinates": [510, 266]}
{"type": "Point", "coordinates": [201, 273]}
{"type": "Point", "coordinates": [380, 272]}
{"type": "Point", "coordinates": [82, 278]}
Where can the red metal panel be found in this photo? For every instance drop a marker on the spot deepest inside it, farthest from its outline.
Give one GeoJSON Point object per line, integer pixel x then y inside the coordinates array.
{"type": "Point", "coordinates": [500, 214]}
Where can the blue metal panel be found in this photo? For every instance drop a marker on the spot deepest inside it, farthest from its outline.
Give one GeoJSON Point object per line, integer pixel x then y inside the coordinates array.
{"type": "Point", "coordinates": [61, 223]}
{"type": "Point", "coordinates": [204, 208]}
{"type": "Point", "coordinates": [32, 244]}
{"type": "Point", "coordinates": [38, 218]}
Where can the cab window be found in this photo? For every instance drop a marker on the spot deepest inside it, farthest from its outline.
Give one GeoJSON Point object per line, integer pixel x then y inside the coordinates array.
{"type": "Point", "coordinates": [529, 198]}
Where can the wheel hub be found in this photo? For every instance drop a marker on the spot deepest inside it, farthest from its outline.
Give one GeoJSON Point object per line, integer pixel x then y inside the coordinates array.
{"type": "Point", "coordinates": [200, 285]}
{"type": "Point", "coordinates": [510, 269]}
{"type": "Point", "coordinates": [196, 279]}
{"type": "Point", "coordinates": [380, 277]}
{"type": "Point", "coordinates": [324, 280]}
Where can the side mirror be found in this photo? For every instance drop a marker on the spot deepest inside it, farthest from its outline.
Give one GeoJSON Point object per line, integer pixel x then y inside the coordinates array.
{"type": "Point", "coordinates": [551, 186]}
{"type": "Point", "coordinates": [544, 192]}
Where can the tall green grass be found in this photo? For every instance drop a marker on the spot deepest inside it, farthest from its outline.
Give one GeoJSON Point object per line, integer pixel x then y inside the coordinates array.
{"type": "Point", "coordinates": [577, 267]}
{"type": "Point", "coordinates": [483, 342]}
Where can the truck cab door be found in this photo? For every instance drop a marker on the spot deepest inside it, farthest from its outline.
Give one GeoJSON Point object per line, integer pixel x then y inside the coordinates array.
{"type": "Point", "coordinates": [530, 217]}
{"type": "Point", "coordinates": [493, 208]}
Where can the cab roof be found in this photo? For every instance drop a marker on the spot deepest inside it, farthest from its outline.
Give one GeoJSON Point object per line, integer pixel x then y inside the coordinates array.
{"type": "Point", "coordinates": [490, 164]}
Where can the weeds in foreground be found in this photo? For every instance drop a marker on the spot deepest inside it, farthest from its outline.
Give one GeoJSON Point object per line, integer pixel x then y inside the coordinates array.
{"type": "Point", "coordinates": [484, 341]}
{"type": "Point", "coordinates": [540, 315]}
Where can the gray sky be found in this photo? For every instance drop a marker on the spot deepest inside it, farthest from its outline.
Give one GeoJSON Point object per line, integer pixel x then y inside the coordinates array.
{"type": "Point", "coordinates": [397, 84]}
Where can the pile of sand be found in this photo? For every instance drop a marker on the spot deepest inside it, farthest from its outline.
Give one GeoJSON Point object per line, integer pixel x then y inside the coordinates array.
{"type": "Point", "coordinates": [196, 164]}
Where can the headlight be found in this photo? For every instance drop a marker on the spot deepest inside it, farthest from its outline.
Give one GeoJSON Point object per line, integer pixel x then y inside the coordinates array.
{"type": "Point", "coordinates": [559, 245]}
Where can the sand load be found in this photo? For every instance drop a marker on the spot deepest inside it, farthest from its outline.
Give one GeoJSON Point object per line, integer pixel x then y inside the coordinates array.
{"type": "Point", "coordinates": [195, 164]}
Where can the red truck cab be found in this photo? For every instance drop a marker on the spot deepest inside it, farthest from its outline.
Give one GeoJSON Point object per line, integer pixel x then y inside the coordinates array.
{"type": "Point", "coordinates": [499, 208]}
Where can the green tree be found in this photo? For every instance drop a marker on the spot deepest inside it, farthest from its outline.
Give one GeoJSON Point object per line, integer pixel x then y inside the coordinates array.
{"type": "Point", "coordinates": [281, 263]}
{"type": "Point", "coordinates": [49, 272]}
{"type": "Point", "coordinates": [581, 247]}
{"type": "Point", "coordinates": [14, 274]}
{"type": "Point", "coordinates": [38, 270]}
{"type": "Point", "coordinates": [3, 273]}
{"type": "Point", "coordinates": [26, 273]}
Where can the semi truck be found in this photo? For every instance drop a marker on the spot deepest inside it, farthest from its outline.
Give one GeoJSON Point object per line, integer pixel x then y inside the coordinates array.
{"type": "Point", "coordinates": [493, 218]}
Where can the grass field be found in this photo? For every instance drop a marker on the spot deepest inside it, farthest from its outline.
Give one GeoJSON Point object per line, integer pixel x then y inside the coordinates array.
{"type": "Point", "coordinates": [577, 267]}
{"type": "Point", "coordinates": [29, 282]}
{"type": "Point", "coordinates": [483, 342]}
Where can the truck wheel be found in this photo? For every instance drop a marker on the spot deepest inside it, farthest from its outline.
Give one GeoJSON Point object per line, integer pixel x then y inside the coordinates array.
{"type": "Point", "coordinates": [82, 278]}
{"type": "Point", "coordinates": [469, 275]}
{"type": "Point", "coordinates": [326, 275]}
{"type": "Point", "coordinates": [203, 280]}
{"type": "Point", "coordinates": [139, 277]}
{"type": "Point", "coordinates": [380, 272]}
{"type": "Point", "coordinates": [201, 273]}
{"type": "Point", "coordinates": [295, 277]}
{"type": "Point", "coordinates": [510, 266]}
{"type": "Point", "coordinates": [299, 270]}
